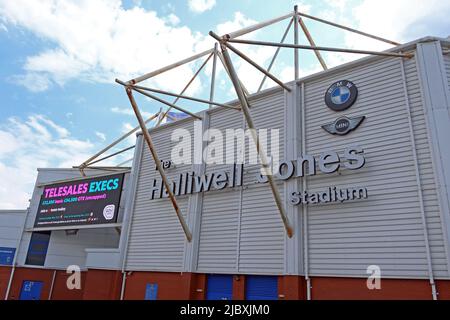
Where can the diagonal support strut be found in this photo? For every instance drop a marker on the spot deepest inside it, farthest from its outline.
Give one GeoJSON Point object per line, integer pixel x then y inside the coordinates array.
{"type": "Point", "coordinates": [154, 154]}
{"type": "Point", "coordinates": [246, 110]}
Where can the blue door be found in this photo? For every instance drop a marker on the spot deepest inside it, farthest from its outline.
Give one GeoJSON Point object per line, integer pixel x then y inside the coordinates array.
{"type": "Point", "coordinates": [261, 288]}
{"type": "Point", "coordinates": [31, 290]}
{"type": "Point", "coordinates": [151, 291]}
{"type": "Point", "coordinates": [219, 287]}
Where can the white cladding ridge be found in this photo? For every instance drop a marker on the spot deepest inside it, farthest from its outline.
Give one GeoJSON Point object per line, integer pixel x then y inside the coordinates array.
{"type": "Point", "coordinates": [245, 235]}
{"type": "Point", "coordinates": [11, 223]}
{"type": "Point", "coordinates": [429, 191]}
{"type": "Point", "coordinates": [156, 240]}
{"type": "Point", "coordinates": [447, 65]}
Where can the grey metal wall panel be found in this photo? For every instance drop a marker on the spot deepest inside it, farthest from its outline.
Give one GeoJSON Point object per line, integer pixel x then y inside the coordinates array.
{"type": "Point", "coordinates": [261, 246]}
{"type": "Point", "coordinates": [439, 257]}
{"type": "Point", "coordinates": [447, 63]}
{"type": "Point", "coordinates": [219, 226]}
{"type": "Point", "coordinates": [386, 229]}
{"type": "Point", "coordinates": [156, 239]}
{"type": "Point", "coordinates": [11, 223]}
{"type": "Point", "coordinates": [241, 231]}
{"type": "Point", "coordinates": [65, 250]}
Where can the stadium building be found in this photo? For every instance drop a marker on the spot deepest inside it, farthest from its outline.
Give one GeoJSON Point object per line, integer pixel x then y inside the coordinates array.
{"type": "Point", "coordinates": [364, 182]}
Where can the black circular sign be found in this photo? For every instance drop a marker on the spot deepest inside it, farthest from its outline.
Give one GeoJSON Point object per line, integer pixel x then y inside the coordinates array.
{"type": "Point", "coordinates": [342, 125]}
{"type": "Point", "coordinates": [341, 95]}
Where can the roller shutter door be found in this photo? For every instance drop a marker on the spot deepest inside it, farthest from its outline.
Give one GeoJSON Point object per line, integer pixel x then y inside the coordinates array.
{"type": "Point", "coordinates": [219, 287]}
{"type": "Point", "coordinates": [261, 288]}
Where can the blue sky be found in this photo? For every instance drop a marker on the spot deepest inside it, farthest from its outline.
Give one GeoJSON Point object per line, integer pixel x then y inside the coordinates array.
{"type": "Point", "coordinates": [58, 61]}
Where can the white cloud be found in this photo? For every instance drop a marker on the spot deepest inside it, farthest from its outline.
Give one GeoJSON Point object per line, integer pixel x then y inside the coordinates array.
{"type": "Point", "coordinates": [99, 40]}
{"type": "Point", "coordinates": [249, 76]}
{"type": "Point", "coordinates": [400, 20]}
{"type": "Point", "coordinates": [239, 21]}
{"type": "Point", "coordinates": [130, 112]}
{"type": "Point", "coordinates": [403, 20]}
{"type": "Point", "coordinates": [27, 144]}
{"type": "Point", "coordinates": [172, 19]}
{"type": "Point", "coordinates": [100, 135]}
{"type": "Point", "coordinates": [34, 82]}
{"type": "Point", "coordinates": [303, 7]}
{"type": "Point", "coordinates": [200, 6]}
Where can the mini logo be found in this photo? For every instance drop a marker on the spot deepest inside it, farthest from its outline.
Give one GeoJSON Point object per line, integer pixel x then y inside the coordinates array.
{"type": "Point", "coordinates": [341, 95]}
{"type": "Point", "coordinates": [343, 125]}
{"type": "Point", "coordinates": [108, 211]}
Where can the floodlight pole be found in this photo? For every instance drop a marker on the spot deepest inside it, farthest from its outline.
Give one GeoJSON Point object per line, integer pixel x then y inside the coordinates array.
{"type": "Point", "coordinates": [246, 110]}
{"type": "Point", "coordinates": [154, 154]}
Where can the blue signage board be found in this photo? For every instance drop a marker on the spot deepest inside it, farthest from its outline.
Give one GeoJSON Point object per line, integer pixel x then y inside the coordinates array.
{"type": "Point", "coordinates": [7, 256]}
{"type": "Point", "coordinates": [31, 290]}
{"type": "Point", "coordinates": [151, 291]}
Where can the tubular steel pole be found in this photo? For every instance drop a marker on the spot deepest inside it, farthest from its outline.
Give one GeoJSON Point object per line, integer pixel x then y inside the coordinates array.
{"type": "Point", "coordinates": [184, 97]}
{"type": "Point", "coordinates": [213, 75]}
{"type": "Point", "coordinates": [158, 99]}
{"type": "Point", "coordinates": [288, 45]}
{"type": "Point", "coordinates": [151, 147]}
{"type": "Point", "coordinates": [184, 89]}
{"type": "Point", "coordinates": [348, 29]}
{"type": "Point", "coordinates": [312, 43]}
{"type": "Point", "coordinates": [276, 54]}
{"type": "Point", "coordinates": [219, 54]}
{"type": "Point", "coordinates": [169, 67]}
{"type": "Point", "coordinates": [111, 155]}
{"type": "Point", "coordinates": [245, 108]}
{"type": "Point", "coordinates": [250, 61]}
{"type": "Point", "coordinates": [88, 161]}
{"type": "Point", "coordinates": [296, 65]}
{"type": "Point", "coordinates": [257, 26]}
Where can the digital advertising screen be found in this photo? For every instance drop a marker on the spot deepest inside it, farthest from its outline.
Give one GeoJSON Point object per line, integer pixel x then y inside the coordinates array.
{"type": "Point", "coordinates": [83, 202]}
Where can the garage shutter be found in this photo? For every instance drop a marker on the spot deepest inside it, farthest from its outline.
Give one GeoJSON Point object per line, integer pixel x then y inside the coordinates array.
{"type": "Point", "coordinates": [261, 288]}
{"type": "Point", "coordinates": [219, 287]}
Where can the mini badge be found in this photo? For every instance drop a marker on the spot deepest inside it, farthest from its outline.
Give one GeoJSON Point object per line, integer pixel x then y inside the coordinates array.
{"type": "Point", "coordinates": [343, 125]}
{"type": "Point", "coordinates": [341, 95]}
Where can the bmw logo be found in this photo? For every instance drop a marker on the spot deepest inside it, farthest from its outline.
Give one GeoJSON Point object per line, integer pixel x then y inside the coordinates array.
{"type": "Point", "coordinates": [341, 95]}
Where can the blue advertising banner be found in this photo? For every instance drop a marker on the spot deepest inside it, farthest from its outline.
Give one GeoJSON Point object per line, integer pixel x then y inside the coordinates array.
{"type": "Point", "coordinates": [7, 256]}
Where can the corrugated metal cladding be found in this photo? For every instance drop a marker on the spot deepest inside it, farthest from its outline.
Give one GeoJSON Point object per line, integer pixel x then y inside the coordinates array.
{"type": "Point", "coordinates": [447, 64]}
{"type": "Point", "coordinates": [241, 231]}
{"type": "Point", "coordinates": [240, 228]}
{"type": "Point", "coordinates": [156, 238]}
{"type": "Point", "coordinates": [386, 229]}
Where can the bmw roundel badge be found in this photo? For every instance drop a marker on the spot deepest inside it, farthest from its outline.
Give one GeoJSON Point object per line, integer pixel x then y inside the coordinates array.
{"type": "Point", "coordinates": [341, 95]}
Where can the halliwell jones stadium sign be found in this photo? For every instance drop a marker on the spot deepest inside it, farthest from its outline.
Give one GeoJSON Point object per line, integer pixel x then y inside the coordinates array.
{"type": "Point", "coordinates": [83, 202]}
{"type": "Point", "coordinates": [340, 96]}
{"type": "Point", "coordinates": [328, 162]}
